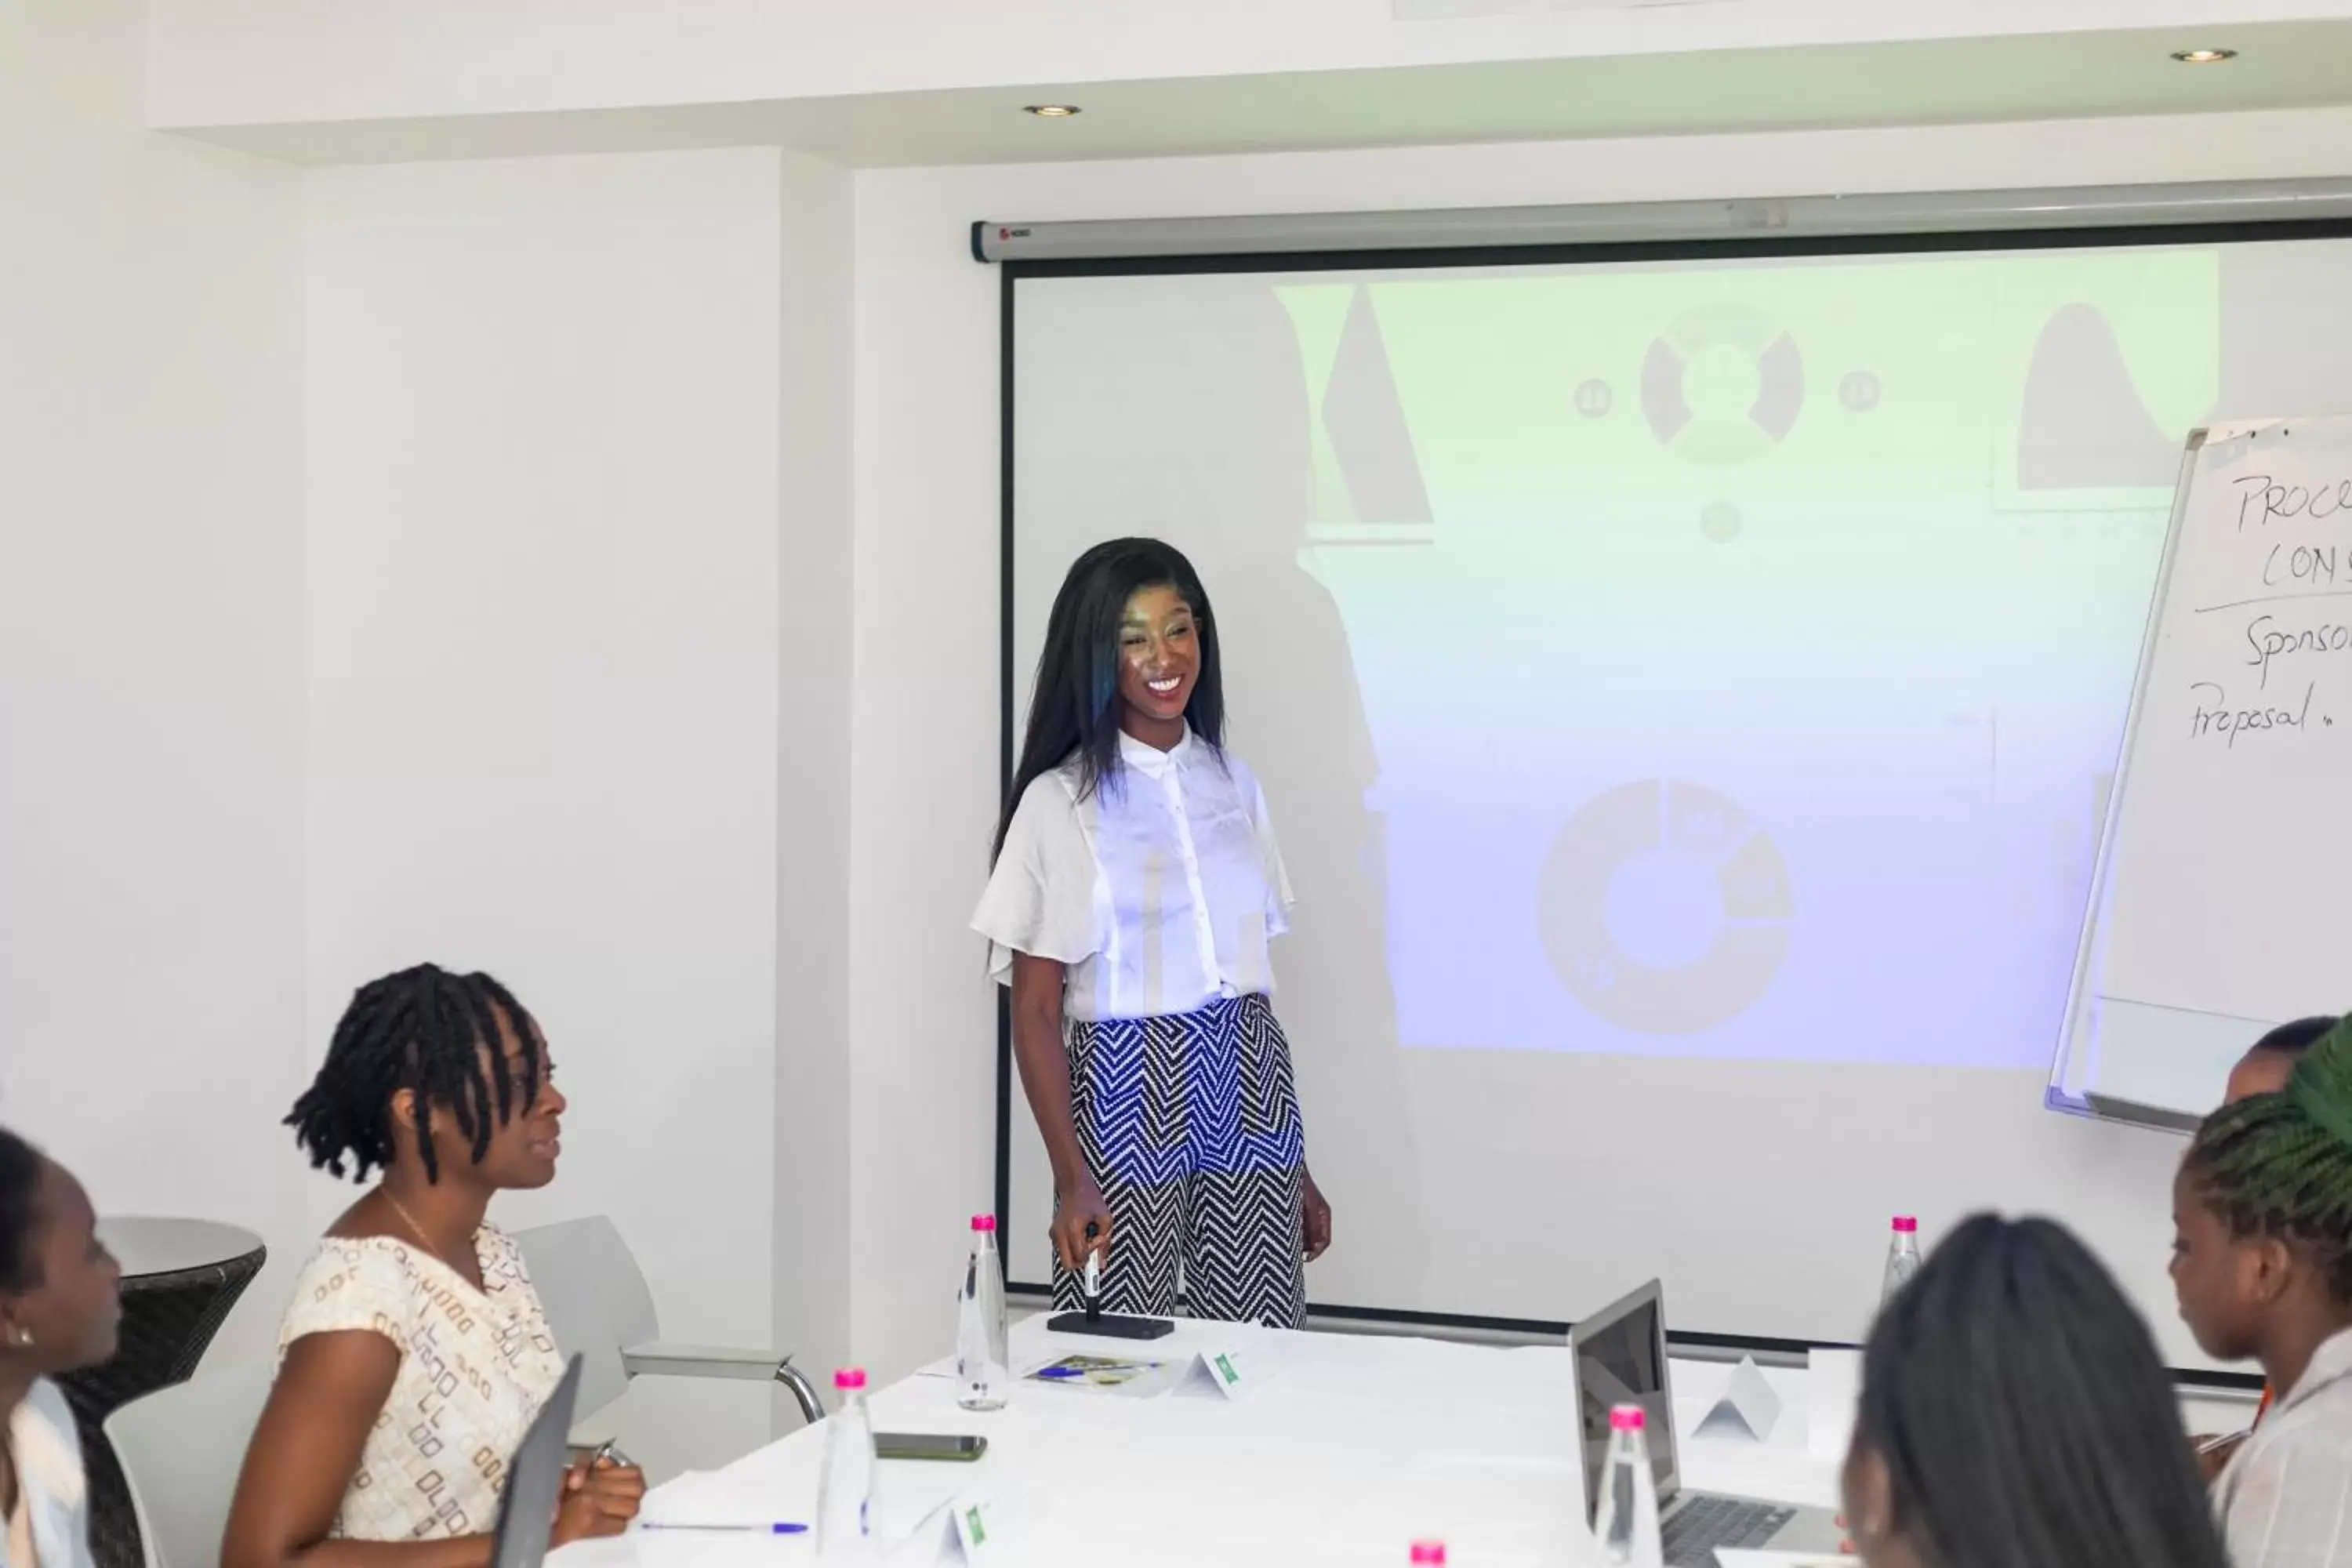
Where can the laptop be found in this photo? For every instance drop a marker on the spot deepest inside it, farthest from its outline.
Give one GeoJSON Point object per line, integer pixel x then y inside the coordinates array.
{"type": "Point", "coordinates": [535, 1480]}
{"type": "Point", "coordinates": [1619, 1355]}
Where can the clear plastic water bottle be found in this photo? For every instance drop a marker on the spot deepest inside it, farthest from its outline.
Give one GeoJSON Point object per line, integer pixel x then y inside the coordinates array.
{"type": "Point", "coordinates": [1627, 1525]}
{"type": "Point", "coordinates": [1429, 1554]}
{"type": "Point", "coordinates": [845, 1487]}
{"type": "Point", "coordinates": [1901, 1258]}
{"type": "Point", "coordinates": [983, 1363]}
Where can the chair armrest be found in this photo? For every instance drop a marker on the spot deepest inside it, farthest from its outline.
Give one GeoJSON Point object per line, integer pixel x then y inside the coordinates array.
{"type": "Point", "coordinates": [662, 1359]}
{"type": "Point", "coordinates": [592, 1432]}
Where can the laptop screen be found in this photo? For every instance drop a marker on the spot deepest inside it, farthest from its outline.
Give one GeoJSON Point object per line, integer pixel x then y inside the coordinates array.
{"type": "Point", "coordinates": [1621, 1360]}
{"type": "Point", "coordinates": [534, 1482]}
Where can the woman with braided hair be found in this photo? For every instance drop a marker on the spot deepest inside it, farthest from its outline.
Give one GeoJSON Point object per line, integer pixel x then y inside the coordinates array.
{"type": "Point", "coordinates": [415, 1353]}
{"type": "Point", "coordinates": [2262, 1265]}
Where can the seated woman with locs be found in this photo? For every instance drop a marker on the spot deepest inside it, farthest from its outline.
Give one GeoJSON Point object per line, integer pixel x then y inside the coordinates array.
{"type": "Point", "coordinates": [416, 1352]}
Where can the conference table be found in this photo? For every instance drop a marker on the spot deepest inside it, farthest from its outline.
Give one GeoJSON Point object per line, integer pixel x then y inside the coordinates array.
{"type": "Point", "coordinates": [1335, 1449]}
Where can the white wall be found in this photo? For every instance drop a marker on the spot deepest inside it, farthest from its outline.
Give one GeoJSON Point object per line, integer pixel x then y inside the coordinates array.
{"type": "Point", "coordinates": [812, 1127]}
{"type": "Point", "coordinates": [226, 62]}
{"type": "Point", "coordinates": [543, 658]}
{"type": "Point", "coordinates": [151, 744]}
{"type": "Point", "coordinates": [925, 719]}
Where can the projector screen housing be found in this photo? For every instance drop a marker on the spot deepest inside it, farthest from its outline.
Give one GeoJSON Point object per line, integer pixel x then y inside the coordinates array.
{"type": "Point", "coordinates": [1786, 517]}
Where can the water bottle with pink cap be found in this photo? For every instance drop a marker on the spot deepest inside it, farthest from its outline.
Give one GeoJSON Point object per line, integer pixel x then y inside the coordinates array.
{"type": "Point", "coordinates": [983, 1362]}
{"type": "Point", "coordinates": [1901, 1258]}
{"type": "Point", "coordinates": [1429, 1554]}
{"type": "Point", "coordinates": [1627, 1523]}
{"type": "Point", "coordinates": [846, 1485]}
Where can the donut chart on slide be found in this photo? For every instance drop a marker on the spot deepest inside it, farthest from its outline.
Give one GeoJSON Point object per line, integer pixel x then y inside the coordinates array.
{"type": "Point", "coordinates": [1723, 385]}
{"type": "Point", "coordinates": [1737, 936]}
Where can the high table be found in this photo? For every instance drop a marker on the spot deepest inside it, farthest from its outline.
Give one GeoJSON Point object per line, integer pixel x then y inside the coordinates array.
{"type": "Point", "coordinates": [180, 1278]}
{"type": "Point", "coordinates": [1350, 1447]}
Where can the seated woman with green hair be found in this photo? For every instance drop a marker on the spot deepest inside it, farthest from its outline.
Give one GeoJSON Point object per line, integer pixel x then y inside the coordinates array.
{"type": "Point", "coordinates": [2262, 1265]}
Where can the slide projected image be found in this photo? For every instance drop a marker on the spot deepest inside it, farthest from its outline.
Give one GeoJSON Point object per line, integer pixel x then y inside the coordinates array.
{"type": "Point", "coordinates": [1775, 618]}
{"type": "Point", "coordinates": [1738, 647]}
{"type": "Point", "coordinates": [1664, 908]}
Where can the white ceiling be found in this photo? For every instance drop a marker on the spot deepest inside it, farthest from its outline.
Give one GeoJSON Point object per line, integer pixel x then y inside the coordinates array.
{"type": "Point", "coordinates": [1941, 82]}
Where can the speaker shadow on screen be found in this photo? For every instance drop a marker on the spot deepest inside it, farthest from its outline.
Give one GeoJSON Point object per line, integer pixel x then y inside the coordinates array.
{"type": "Point", "coordinates": [1195, 423]}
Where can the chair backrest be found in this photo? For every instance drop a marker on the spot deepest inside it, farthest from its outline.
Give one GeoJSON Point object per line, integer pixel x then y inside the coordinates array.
{"type": "Point", "coordinates": [597, 1302]}
{"type": "Point", "coordinates": [181, 1448]}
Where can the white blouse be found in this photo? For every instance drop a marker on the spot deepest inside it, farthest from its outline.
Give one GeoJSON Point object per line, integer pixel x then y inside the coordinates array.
{"type": "Point", "coordinates": [1158, 892]}
{"type": "Point", "coordinates": [49, 1527]}
{"type": "Point", "coordinates": [474, 1367]}
{"type": "Point", "coordinates": [2285, 1500]}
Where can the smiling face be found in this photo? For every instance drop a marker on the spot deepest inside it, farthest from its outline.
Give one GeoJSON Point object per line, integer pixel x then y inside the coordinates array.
{"type": "Point", "coordinates": [1158, 660]}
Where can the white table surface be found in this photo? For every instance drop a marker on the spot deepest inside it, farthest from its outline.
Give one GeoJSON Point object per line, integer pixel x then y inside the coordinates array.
{"type": "Point", "coordinates": [1352, 1448]}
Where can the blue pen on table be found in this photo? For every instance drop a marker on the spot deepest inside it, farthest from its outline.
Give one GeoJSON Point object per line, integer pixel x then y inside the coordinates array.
{"type": "Point", "coordinates": [1058, 1372]}
{"type": "Point", "coordinates": [776, 1528]}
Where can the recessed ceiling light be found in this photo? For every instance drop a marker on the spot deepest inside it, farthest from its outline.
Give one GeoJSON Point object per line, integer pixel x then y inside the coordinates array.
{"type": "Point", "coordinates": [2204, 56]}
{"type": "Point", "coordinates": [1052, 110]}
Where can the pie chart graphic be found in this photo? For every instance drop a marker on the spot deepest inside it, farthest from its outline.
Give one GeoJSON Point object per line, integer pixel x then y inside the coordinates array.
{"type": "Point", "coordinates": [1664, 908]}
{"type": "Point", "coordinates": [1724, 385]}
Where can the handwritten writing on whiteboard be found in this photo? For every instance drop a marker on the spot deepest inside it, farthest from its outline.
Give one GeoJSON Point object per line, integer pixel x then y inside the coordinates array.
{"type": "Point", "coordinates": [2283, 583]}
{"type": "Point", "coordinates": [2220, 910]}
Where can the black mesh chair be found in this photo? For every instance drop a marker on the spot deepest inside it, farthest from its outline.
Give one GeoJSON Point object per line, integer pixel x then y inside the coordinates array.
{"type": "Point", "coordinates": [180, 1278]}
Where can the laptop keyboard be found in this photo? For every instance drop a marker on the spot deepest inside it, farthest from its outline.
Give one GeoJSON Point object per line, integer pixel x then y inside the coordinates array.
{"type": "Point", "coordinates": [1690, 1534]}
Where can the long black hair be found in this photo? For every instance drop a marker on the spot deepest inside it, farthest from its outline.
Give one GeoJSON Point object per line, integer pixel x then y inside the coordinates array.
{"type": "Point", "coordinates": [2023, 1415]}
{"type": "Point", "coordinates": [20, 1197]}
{"type": "Point", "coordinates": [1074, 705]}
{"type": "Point", "coordinates": [433, 1034]}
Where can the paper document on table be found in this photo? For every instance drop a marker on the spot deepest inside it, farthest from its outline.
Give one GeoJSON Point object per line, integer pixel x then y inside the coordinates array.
{"type": "Point", "coordinates": [1832, 1389]}
{"type": "Point", "coordinates": [713, 1500]}
{"type": "Point", "coordinates": [1728, 1558]}
{"type": "Point", "coordinates": [1130, 1375]}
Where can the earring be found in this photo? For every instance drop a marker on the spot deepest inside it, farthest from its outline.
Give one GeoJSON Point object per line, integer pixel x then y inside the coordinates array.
{"type": "Point", "coordinates": [21, 1338]}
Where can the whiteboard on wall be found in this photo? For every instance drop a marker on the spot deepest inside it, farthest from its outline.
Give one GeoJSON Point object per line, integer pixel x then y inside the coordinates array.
{"type": "Point", "coordinates": [2219, 908]}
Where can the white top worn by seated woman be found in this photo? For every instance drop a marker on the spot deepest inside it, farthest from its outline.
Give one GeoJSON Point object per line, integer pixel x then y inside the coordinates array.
{"type": "Point", "coordinates": [1159, 891]}
{"type": "Point", "coordinates": [2285, 1500]}
{"type": "Point", "coordinates": [474, 1367]}
{"type": "Point", "coordinates": [49, 1526]}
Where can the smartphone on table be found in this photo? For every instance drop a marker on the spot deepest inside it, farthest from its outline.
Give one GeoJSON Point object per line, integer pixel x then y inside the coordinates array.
{"type": "Point", "coordinates": [948, 1446]}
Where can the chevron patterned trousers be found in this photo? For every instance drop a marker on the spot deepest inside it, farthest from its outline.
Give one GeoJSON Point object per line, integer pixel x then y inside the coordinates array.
{"type": "Point", "coordinates": [1190, 1123]}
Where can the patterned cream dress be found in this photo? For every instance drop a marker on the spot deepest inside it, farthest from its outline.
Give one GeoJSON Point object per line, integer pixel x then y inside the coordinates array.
{"type": "Point", "coordinates": [475, 1366]}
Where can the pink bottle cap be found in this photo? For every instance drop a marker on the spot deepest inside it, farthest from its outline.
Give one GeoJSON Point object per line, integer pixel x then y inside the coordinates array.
{"type": "Point", "coordinates": [984, 1222]}
{"type": "Point", "coordinates": [1627, 1418]}
{"type": "Point", "coordinates": [1905, 1225]}
{"type": "Point", "coordinates": [849, 1377]}
{"type": "Point", "coordinates": [1432, 1552]}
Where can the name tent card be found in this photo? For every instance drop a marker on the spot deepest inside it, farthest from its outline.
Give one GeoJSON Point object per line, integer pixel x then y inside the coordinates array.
{"type": "Point", "coordinates": [1747, 1403]}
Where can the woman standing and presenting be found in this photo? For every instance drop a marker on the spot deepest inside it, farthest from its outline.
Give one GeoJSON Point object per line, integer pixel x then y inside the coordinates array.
{"type": "Point", "coordinates": [1136, 887]}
